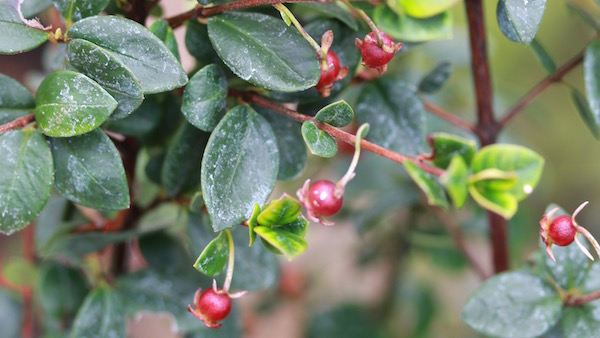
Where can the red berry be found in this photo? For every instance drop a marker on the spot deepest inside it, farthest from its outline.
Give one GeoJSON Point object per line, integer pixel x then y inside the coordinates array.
{"type": "Point", "coordinates": [322, 199]}
{"type": "Point", "coordinates": [561, 230]}
{"type": "Point", "coordinates": [330, 73]}
{"type": "Point", "coordinates": [214, 306]}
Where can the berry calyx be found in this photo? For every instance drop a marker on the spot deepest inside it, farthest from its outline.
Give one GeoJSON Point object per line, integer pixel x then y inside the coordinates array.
{"type": "Point", "coordinates": [211, 306]}
{"type": "Point", "coordinates": [377, 54]}
{"type": "Point", "coordinates": [324, 199]}
{"type": "Point", "coordinates": [563, 230]}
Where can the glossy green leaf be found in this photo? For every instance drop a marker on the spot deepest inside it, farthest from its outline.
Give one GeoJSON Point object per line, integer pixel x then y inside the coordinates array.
{"type": "Point", "coordinates": [571, 266]}
{"type": "Point", "coordinates": [181, 168]}
{"type": "Point", "coordinates": [15, 99]}
{"type": "Point", "coordinates": [142, 122]}
{"type": "Point", "coordinates": [494, 193]}
{"type": "Point", "coordinates": [297, 227]}
{"type": "Point", "coordinates": [25, 179]}
{"type": "Point", "coordinates": [62, 290]}
{"type": "Point", "coordinates": [255, 267]}
{"type": "Point", "coordinates": [447, 146]}
{"type": "Point", "coordinates": [89, 171]}
{"type": "Point", "coordinates": [256, 48]}
{"type": "Point", "coordinates": [455, 181]}
{"type": "Point", "coordinates": [527, 165]}
{"type": "Point", "coordinates": [279, 212]}
{"type": "Point", "coordinates": [542, 55]}
{"type": "Point", "coordinates": [438, 76]}
{"type": "Point", "coordinates": [75, 10]}
{"type": "Point", "coordinates": [292, 150]}
{"type": "Point", "coordinates": [331, 10]}
{"type": "Point", "coordinates": [319, 142]}
{"type": "Point", "coordinates": [108, 71]}
{"type": "Point", "coordinates": [16, 37]}
{"type": "Point", "coordinates": [242, 153]}
{"type": "Point", "coordinates": [198, 43]}
{"type": "Point", "coordinates": [525, 17]}
{"type": "Point", "coordinates": [70, 104]}
{"type": "Point", "coordinates": [166, 254]}
{"type": "Point", "coordinates": [12, 314]}
{"type": "Point", "coordinates": [428, 184]}
{"type": "Point", "coordinates": [101, 315]}
{"type": "Point", "coordinates": [291, 245]}
{"type": "Point", "coordinates": [143, 53]}
{"type": "Point", "coordinates": [425, 8]}
{"type": "Point", "coordinates": [161, 29]}
{"type": "Point", "coordinates": [214, 257]}
{"type": "Point", "coordinates": [583, 321]}
{"type": "Point", "coordinates": [504, 23]}
{"type": "Point", "coordinates": [252, 223]}
{"type": "Point", "coordinates": [395, 114]}
{"type": "Point", "coordinates": [513, 304]}
{"type": "Point", "coordinates": [204, 98]}
{"type": "Point", "coordinates": [337, 114]}
{"type": "Point", "coordinates": [591, 120]}
{"type": "Point", "coordinates": [410, 29]}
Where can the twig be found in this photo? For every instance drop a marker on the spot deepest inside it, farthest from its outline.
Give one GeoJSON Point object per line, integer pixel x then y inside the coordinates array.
{"type": "Point", "coordinates": [541, 86]}
{"type": "Point", "coordinates": [335, 132]}
{"type": "Point", "coordinates": [452, 228]}
{"type": "Point", "coordinates": [17, 123]}
{"type": "Point", "coordinates": [446, 115]}
{"type": "Point", "coordinates": [487, 127]}
{"type": "Point", "coordinates": [580, 300]}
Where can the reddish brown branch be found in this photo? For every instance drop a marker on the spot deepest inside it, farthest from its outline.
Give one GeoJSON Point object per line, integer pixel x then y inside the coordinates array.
{"type": "Point", "coordinates": [557, 76]}
{"type": "Point", "coordinates": [336, 133]}
{"type": "Point", "coordinates": [580, 300]}
{"type": "Point", "coordinates": [17, 123]}
{"type": "Point", "coordinates": [446, 115]}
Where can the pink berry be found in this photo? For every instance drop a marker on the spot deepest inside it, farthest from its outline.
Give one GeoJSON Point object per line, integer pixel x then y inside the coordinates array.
{"type": "Point", "coordinates": [214, 306]}
{"type": "Point", "coordinates": [330, 73]}
{"type": "Point", "coordinates": [562, 231]}
{"type": "Point", "coordinates": [322, 199]}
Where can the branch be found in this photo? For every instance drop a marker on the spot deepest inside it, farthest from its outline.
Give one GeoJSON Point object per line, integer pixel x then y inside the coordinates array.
{"type": "Point", "coordinates": [446, 115]}
{"type": "Point", "coordinates": [336, 133]}
{"type": "Point", "coordinates": [17, 123]}
{"type": "Point", "coordinates": [580, 300]}
{"type": "Point", "coordinates": [557, 76]}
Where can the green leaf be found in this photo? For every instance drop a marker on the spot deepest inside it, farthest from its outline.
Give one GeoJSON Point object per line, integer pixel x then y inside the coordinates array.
{"type": "Point", "coordinates": [428, 184]}
{"type": "Point", "coordinates": [166, 254]}
{"type": "Point", "coordinates": [337, 114]}
{"type": "Point", "coordinates": [12, 314]}
{"type": "Point", "coordinates": [447, 146]}
{"type": "Point", "coordinates": [143, 121]}
{"type": "Point", "coordinates": [591, 120]}
{"type": "Point", "coordinates": [319, 142]}
{"type": "Point", "coordinates": [455, 181]}
{"type": "Point", "coordinates": [504, 23]}
{"type": "Point", "coordinates": [583, 321]}
{"type": "Point", "coordinates": [70, 104]}
{"type": "Point", "coordinates": [30, 8]}
{"type": "Point", "coordinates": [108, 71]}
{"type": "Point", "coordinates": [395, 114]}
{"type": "Point", "coordinates": [292, 150]}
{"type": "Point", "coordinates": [16, 37]}
{"type": "Point", "coordinates": [410, 29]}
{"type": "Point", "coordinates": [75, 10]}
{"type": "Point", "coordinates": [524, 162]}
{"type": "Point", "coordinates": [204, 98]}
{"type": "Point", "coordinates": [101, 315]}
{"type": "Point", "coordinates": [591, 70]}
{"type": "Point", "coordinates": [493, 195]}
{"type": "Point", "coordinates": [15, 99]}
{"type": "Point", "coordinates": [331, 10]}
{"type": "Point", "coordinates": [513, 304]}
{"type": "Point", "coordinates": [198, 43]}
{"type": "Point", "coordinates": [160, 28]}
{"type": "Point", "coordinates": [587, 17]}
{"type": "Point", "coordinates": [279, 212]}
{"type": "Point", "coordinates": [214, 257]}
{"type": "Point", "coordinates": [62, 290]}
{"type": "Point", "coordinates": [25, 179]}
{"type": "Point", "coordinates": [543, 56]}
{"type": "Point", "coordinates": [425, 8]}
{"type": "Point", "coordinates": [525, 17]}
{"type": "Point", "coordinates": [256, 47]}
{"type": "Point", "coordinates": [143, 53]}
{"type": "Point", "coordinates": [438, 76]}
{"type": "Point", "coordinates": [196, 202]}
{"type": "Point", "coordinates": [89, 171]}
{"type": "Point", "coordinates": [291, 245]}
{"type": "Point", "coordinates": [239, 167]}
{"type": "Point", "coordinates": [181, 168]}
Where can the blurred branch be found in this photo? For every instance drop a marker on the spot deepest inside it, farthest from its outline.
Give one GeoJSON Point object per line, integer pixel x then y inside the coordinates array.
{"type": "Point", "coordinates": [334, 132]}
{"type": "Point", "coordinates": [16, 123]}
{"type": "Point", "coordinates": [541, 86]}
{"type": "Point", "coordinates": [580, 300]}
{"type": "Point", "coordinates": [446, 115]}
